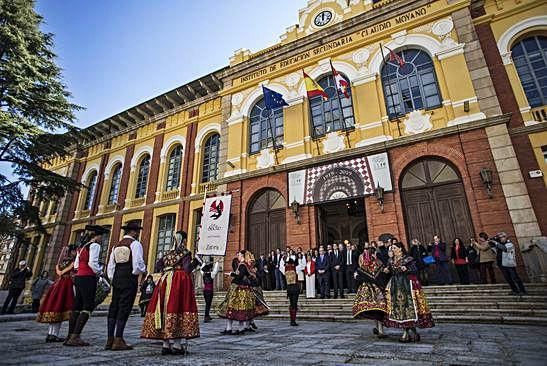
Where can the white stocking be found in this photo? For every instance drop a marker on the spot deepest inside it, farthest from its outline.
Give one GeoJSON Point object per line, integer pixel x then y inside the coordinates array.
{"type": "Point", "coordinates": [380, 327]}
{"type": "Point", "coordinates": [229, 323]}
{"type": "Point", "coordinates": [177, 343]}
{"type": "Point", "coordinates": [241, 325]}
{"type": "Point", "coordinates": [166, 344]}
{"type": "Point", "coordinates": [55, 328]}
{"type": "Point", "coordinates": [50, 329]}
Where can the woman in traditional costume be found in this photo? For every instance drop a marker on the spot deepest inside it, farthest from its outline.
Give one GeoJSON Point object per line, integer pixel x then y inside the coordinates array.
{"type": "Point", "coordinates": [240, 302]}
{"type": "Point", "coordinates": [369, 302]}
{"type": "Point", "coordinates": [261, 307]}
{"type": "Point", "coordinates": [406, 303]}
{"type": "Point", "coordinates": [59, 300]}
{"type": "Point", "coordinates": [172, 314]}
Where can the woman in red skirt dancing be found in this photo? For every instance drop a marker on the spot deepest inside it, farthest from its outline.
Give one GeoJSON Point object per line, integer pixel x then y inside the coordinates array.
{"type": "Point", "coordinates": [59, 300]}
{"type": "Point", "coordinates": [172, 314]}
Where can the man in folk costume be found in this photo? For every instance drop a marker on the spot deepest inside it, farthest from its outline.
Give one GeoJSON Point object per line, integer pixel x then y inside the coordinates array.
{"type": "Point", "coordinates": [87, 269]}
{"type": "Point", "coordinates": [293, 289]}
{"type": "Point", "coordinates": [172, 313]}
{"type": "Point", "coordinates": [208, 271]}
{"type": "Point", "coordinates": [125, 266]}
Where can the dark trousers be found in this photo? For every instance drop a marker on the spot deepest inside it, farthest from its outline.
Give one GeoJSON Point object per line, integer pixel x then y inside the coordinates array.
{"type": "Point", "coordinates": [279, 283]}
{"type": "Point", "coordinates": [122, 302]}
{"type": "Point", "coordinates": [513, 279]}
{"type": "Point", "coordinates": [350, 280]}
{"type": "Point", "coordinates": [208, 295]}
{"type": "Point", "coordinates": [11, 300]}
{"type": "Point", "coordinates": [143, 306]}
{"type": "Point", "coordinates": [293, 299]}
{"type": "Point", "coordinates": [442, 273]}
{"type": "Point", "coordinates": [84, 296]}
{"type": "Point", "coordinates": [463, 273]}
{"type": "Point", "coordinates": [487, 267]}
{"type": "Point", "coordinates": [35, 305]}
{"type": "Point", "coordinates": [323, 284]}
{"type": "Point", "coordinates": [338, 282]}
{"type": "Point", "coordinates": [422, 276]}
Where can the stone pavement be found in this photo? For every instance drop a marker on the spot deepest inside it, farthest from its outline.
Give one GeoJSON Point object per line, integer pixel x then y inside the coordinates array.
{"type": "Point", "coordinates": [276, 343]}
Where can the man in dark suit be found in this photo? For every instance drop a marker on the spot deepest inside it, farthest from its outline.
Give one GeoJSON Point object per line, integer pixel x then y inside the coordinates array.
{"type": "Point", "coordinates": [351, 258]}
{"type": "Point", "coordinates": [322, 266]}
{"type": "Point", "coordinates": [261, 264]}
{"type": "Point", "coordinates": [336, 265]}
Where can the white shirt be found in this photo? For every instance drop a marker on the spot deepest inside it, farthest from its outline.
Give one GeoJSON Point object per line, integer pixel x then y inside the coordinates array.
{"type": "Point", "coordinates": [213, 272]}
{"type": "Point", "coordinates": [94, 253]}
{"type": "Point", "coordinates": [301, 264]}
{"type": "Point", "coordinates": [137, 259]}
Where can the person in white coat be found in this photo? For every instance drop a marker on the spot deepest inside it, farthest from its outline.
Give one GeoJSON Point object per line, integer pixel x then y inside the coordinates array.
{"type": "Point", "coordinates": [309, 271]}
{"type": "Point", "coordinates": [300, 266]}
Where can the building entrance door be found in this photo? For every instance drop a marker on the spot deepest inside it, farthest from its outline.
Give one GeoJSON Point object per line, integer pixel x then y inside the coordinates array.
{"type": "Point", "coordinates": [266, 223]}
{"type": "Point", "coordinates": [342, 220]}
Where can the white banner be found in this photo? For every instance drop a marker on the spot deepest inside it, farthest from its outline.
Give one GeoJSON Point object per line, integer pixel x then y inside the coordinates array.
{"type": "Point", "coordinates": [215, 222]}
{"type": "Point", "coordinates": [379, 169]}
{"type": "Point", "coordinates": [297, 185]}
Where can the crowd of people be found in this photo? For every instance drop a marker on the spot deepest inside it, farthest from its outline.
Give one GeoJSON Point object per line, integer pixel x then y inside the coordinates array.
{"type": "Point", "coordinates": [386, 276]}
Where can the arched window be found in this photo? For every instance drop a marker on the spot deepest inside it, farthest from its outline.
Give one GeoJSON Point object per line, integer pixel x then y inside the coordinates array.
{"type": "Point", "coordinates": [530, 58]}
{"type": "Point", "coordinates": [115, 185]}
{"type": "Point", "coordinates": [90, 194]}
{"type": "Point", "coordinates": [142, 178]}
{"type": "Point", "coordinates": [166, 230]}
{"type": "Point", "coordinates": [263, 123]}
{"type": "Point", "coordinates": [410, 86]}
{"type": "Point", "coordinates": [326, 115]}
{"type": "Point", "coordinates": [173, 172]}
{"type": "Point", "coordinates": [210, 158]}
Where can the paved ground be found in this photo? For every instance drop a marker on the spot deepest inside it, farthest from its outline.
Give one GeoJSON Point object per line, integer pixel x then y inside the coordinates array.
{"type": "Point", "coordinates": [276, 343]}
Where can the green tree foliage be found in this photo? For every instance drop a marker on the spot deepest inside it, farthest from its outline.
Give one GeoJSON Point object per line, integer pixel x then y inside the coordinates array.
{"type": "Point", "coordinates": [36, 116]}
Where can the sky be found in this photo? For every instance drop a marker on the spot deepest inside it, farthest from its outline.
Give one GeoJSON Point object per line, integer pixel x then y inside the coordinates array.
{"type": "Point", "coordinates": [116, 54]}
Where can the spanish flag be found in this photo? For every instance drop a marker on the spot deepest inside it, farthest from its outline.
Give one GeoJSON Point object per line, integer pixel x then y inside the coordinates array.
{"type": "Point", "coordinates": [313, 88]}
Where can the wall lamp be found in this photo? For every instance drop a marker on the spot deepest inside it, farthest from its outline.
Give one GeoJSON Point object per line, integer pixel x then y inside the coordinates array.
{"type": "Point", "coordinates": [486, 177]}
{"type": "Point", "coordinates": [295, 207]}
{"type": "Point", "coordinates": [379, 194]}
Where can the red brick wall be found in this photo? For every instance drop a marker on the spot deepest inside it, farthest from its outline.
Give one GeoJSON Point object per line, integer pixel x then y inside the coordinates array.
{"type": "Point", "coordinates": [187, 176]}
{"type": "Point", "coordinates": [124, 181]}
{"type": "Point", "coordinates": [100, 183]}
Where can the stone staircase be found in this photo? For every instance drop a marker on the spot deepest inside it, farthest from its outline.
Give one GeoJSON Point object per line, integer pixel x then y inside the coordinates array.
{"type": "Point", "coordinates": [467, 304]}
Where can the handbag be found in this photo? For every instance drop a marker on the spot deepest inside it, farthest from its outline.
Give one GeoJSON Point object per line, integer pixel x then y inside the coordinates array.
{"type": "Point", "coordinates": [103, 289]}
{"type": "Point", "coordinates": [429, 260]}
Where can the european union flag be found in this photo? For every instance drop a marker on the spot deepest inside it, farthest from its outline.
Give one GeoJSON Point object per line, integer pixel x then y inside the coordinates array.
{"type": "Point", "coordinates": [273, 99]}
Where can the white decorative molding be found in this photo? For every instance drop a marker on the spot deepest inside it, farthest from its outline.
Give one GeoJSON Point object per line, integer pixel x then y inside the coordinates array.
{"type": "Point", "coordinates": [507, 58]}
{"type": "Point", "coordinates": [530, 123]}
{"type": "Point", "coordinates": [466, 119]}
{"type": "Point", "coordinates": [235, 120]}
{"type": "Point", "coordinates": [231, 173]}
{"type": "Point", "coordinates": [399, 37]}
{"type": "Point", "coordinates": [265, 159]}
{"type": "Point", "coordinates": [293, 79]}
{"type": "Point", "coordinates": [88, 170]}
{"type": "Point", "coordinates": [292, 159]}
{"type": "Point", "coordinates": [234, 160]}
{"type": "Point", "coordinates": [237, 98]}
{"type": "Point", "coordinates": [442, 27]}
{"type": "Point", "coordinates": [333, 143]}
{"type": "Point", "coordinates": [295, 101]}
{"type": "Point", "coordinates": [175, 139]}
{"type": "Point", "coordinates": [368, 126]}
{"type": "Point", "coordinates": [293, 144]}
{"type": "Point", "coordinates": [506, 39]}
{"type": "Point", "coordinates": [417, 122]}
{"type": "Point", "coordinates": [451, 50]}
{"type": "Point", "coordinates": [212, 127]}
{"type": "Point", "coordinates": [361, 56]}
{"type": "Point", "coordinates": [374, 140]}
{"type": "Point", "coordinates": [113, 161]}
{"type": "Point", "coordinates": [138, 154]}
{"type": "Point", "coordinates": [360, 80]}
{"type": "Point", "coordinates": [525, 109]}
{"type": "Point", "coordinates": [460, 103]}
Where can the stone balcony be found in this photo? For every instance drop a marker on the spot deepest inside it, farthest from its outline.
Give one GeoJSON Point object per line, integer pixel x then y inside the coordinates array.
{"type": "Point", "coordinates": [170, 195]}
{"type": "Point", "coordinates": [539, 113]}
{"type": "Point", "coordinates": [209, 186]}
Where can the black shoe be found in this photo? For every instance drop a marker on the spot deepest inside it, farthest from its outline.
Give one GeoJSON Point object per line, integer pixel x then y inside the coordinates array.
{"type": "Point", "coordinates": [177, 352]}
{"type": "Point", "coordinates": [293, 324]}
{"type": "Point", "coordinates": [56, 339]}
{"type": "Point", "coordinates": [375, 331]}
{"type": "Point", "coordinates": [342, 297]}
{"type": "Point", "coordinates": [166, 351]}
{"type": "Point", "coordinates": [322, 297]}
{"type": "Point", "coordinates": [253, 325]}
{"type": "Point", "coordinates": [250, 330]}
{"type": "Point", "coordinates": [227, 332]}
{"type": "Point", "coordinates": [49, 338]}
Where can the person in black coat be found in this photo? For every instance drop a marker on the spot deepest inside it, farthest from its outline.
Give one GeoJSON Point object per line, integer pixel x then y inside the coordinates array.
{"type": "Point", "coordinates": [270, 276]}
{"type": "Point", "coordinates": [337, 270]}
{"type": "Point", "coordinates": [16, 286]}
{"type": "Point", "coordinates": [261, 268]}
{"type": "Point", "coordinates": [351, 258]}
{"type": "Point", "coordinates": [418, 251]}
{"type": "Point", "coordinates": [322, 267]}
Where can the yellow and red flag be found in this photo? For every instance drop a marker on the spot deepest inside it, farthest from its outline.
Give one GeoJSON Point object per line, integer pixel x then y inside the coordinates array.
{"type": "Point", "coordinates": [313, 88]}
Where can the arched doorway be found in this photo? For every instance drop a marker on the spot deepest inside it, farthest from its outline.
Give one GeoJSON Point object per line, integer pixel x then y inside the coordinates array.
{"type": "Point", "coordinates": [434, 202]}
{"type": "Point", "coordinates": [266, 222]}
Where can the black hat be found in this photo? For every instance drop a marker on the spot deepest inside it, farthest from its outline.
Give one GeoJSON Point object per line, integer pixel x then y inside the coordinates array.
{"type": "Point", "coordinates": [96, 229]}
{"type": "Point", "coordinates": [132, 226]}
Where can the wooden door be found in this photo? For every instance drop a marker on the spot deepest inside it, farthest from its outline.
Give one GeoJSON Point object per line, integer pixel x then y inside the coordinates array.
{"type": "Point", "coordinates": [266, 223]}
{"type": "Point", "coordinates": [435, 203]}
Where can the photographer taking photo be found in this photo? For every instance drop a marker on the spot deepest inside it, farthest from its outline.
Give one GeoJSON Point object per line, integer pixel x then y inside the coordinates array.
{"type": "Point", "coordinates": [506, 260]}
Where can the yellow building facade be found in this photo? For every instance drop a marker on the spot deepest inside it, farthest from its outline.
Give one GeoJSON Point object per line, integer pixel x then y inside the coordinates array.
{"type": "Point", "coordinates": [438, 134]}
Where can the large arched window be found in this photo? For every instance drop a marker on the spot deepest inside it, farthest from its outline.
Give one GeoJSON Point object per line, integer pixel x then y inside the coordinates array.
{"type": "Point", "coordinates": [142, 178]}
{"type": "Point", "coordinates": [530, 58]}
{"type": "Point", "coordinates": [115, 184]}
{"type": "Point", "coordinates": [90, 194]}
{"type": "Point", "coordinates": [410, 86]}
{"type": "Point", "coordinates": [326, 115]}
{"type": "Point", "coordinates": [210, 158]}
{"type": "Point", "coordinates": [166, 230]}
{"type": "Point", "coordinates": [173, 171]}
{"type": "Point", "coordinates": [263, 123]}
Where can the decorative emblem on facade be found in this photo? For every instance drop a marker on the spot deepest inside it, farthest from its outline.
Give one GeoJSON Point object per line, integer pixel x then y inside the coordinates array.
{"type": "Point", "coordinates": [333, 143]}
{"type": "Point", "coordinates": [442, 27]}
{"type": "Point", "coordinates": [292, 79]}
{"type": "Point", "coordinates": [265, 159]}
{"type": "Point", "coordinates": [237, 98]}
{"type": "Point", "coordinates": [361, 56]}
{"type": "Point", "coordinates": [417, 122]}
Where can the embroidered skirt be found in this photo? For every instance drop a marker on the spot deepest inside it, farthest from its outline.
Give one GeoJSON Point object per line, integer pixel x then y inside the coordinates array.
{"type": "Point", "coordinates": [406, 304]}
{"type": "Point", "coordinates": [369, 302]}
{"type": "Point", "coordinates": [58, 303]}
{"type": "Point", "coordinates": [172, 311]}
{"type": "Point", "coordinates": [239, 304]}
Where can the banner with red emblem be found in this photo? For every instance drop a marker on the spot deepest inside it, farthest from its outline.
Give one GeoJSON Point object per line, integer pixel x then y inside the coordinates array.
{"type": "Point", "coordinates": [215, 222]}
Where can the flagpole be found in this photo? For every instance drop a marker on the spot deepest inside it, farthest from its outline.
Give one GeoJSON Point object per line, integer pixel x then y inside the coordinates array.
{"type": "Point", "coordinates": [340, 104]}
{"type": "Point", "coordinates": [273, 137]}
{"type": "Point", "coordinates": [391, 94]}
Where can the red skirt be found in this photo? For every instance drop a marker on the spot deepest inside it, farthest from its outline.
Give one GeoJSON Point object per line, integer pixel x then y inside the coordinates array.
{"type": "Point", "coordinates": [172, 312]}
{"type": "Point", "coordinates": [58, 303]}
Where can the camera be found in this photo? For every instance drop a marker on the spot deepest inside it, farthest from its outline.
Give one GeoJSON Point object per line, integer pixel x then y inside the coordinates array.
{"type": "Point", "coordinates": [493, 241]}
